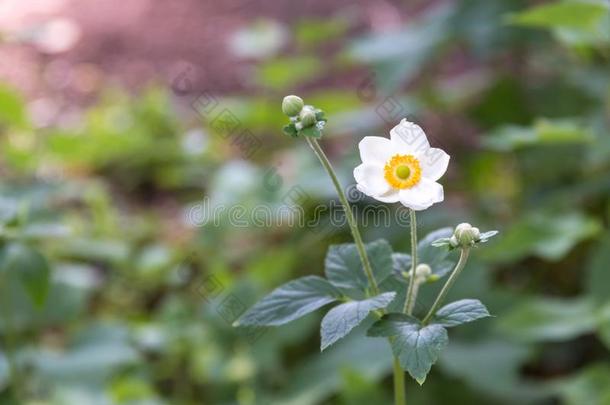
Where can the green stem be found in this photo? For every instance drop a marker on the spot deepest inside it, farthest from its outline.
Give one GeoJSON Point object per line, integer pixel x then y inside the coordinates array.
{"type": "Point", "coordinates": [450, 281]}
{"type": "Point", "coordinates": [348, 212]}
{"type": "Point", "coordinates": [413, 298]}
{"type": "Point", "coordinates": [399, 384]}
{"type": "Point", "coordinates": [411, 293]}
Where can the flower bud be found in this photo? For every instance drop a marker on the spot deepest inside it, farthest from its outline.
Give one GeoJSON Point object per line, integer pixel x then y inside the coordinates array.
{"type": "Point", "coordinates": [307, 117]}
{"type": "Point", "coordinates": [422, 272]}
{"type": "Point", "coordinates": [292, 105]}
{"type": "Point", "coordinates": [466, 235]}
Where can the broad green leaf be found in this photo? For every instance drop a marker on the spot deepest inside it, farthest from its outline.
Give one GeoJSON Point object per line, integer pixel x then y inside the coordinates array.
{"type": "Point", "coordinates": [416, 346]}
{"type": "Point", "coordinates": [401, 263]}
{"type": "Point", "coordinates": [426, 253]}
{"type": "Point", "coordinates": [340, 320]}
{"type": "Point", "coordinates": [562, 14]}
{"type": "Point", "coordinates": [30, 267]}
{"type": "Point", "coordinates": [549, 319]}
{"type": "Point", "coordinates": [460, 312]}
{"type": "Point", "coordinates": [291, 301]}
{"type": "Point", "coordinates": [343, 266]}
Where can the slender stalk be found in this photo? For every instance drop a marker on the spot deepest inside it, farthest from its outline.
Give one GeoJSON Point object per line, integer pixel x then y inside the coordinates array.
{"type": "Point", "coordinates": [450, 281]}
{"type": "Point", "coordinates": [399, 379]}
{"type": "Point", "coordinates": [411, 292]}
{"type": "Point", "coordinates": [348, 212]}
{"type": "Point", "coordinates": [414, 298]}
{"type": "Point", "coordinates": [399, 384]}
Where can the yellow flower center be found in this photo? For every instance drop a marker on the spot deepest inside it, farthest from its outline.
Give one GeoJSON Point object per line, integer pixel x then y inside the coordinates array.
{"type": "Point", "coordinates": [402, 171]}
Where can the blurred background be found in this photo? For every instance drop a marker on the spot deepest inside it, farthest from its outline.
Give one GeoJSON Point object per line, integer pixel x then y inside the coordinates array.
{"type": "Point", "coordinates": [127, 126]}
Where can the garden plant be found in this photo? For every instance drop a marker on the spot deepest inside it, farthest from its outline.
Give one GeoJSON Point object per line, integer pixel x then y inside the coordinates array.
{"type": "Point", "coordinates": [366, 278]}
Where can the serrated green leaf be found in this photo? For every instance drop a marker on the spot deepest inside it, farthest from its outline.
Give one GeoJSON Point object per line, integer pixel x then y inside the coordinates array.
{"type": "Point", "coordinates": [426, 253]}
{"type": "Point", "coordinates": [340, 320]}
{"type": "Point", "coordinates": [460, 312]}
{"type": "Point", "coordinates": [401, 264]}
{"type": "Point", "coordinates": [417, 347]}
{"type": "Point", "coordinates": [343, 266]}
{"type": "Point", "coordinates": [291, 301]}
{"type": "Point", "coordinates": [31, 269]}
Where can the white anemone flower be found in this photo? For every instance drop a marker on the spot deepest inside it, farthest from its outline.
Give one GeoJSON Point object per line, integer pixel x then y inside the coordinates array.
{"type": "Point", "coordinates": [403, 168]}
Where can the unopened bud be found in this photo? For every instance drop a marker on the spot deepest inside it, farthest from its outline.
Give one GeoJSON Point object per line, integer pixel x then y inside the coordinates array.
{"type": "Point", "coordinates": [307, 117]}
{"type": "Point", "coordinates": [292, 105]}
{"type": "Point", "coordinates": [422, 272]}
{"type": "Point", "coordinates": [466, 235]}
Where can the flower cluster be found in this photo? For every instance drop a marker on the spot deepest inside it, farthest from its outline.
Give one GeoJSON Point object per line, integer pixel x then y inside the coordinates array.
{"type": "Point", "coordinates": [305, 120]}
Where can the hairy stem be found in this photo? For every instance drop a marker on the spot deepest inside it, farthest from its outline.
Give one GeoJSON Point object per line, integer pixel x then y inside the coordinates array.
{"type": "Point", "coordinates": [399, 384]}
{"type": "Point", "coordinates": [409, 309]}
{"type": "Point", "coordinates": [366, 264]}
{"type": "Point", "coordinates": [411, 292]}
{"type": "Point", "coordinates": [450, 281]}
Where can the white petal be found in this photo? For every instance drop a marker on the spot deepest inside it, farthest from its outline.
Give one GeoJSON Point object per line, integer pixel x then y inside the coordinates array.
{"type": "Point", "coordinates": [370, 179]}
{"type": "Point", "coordinates": [433, 163]}
{"type": "Point", "coordinates": [391, 196]}
{"type": "Point", "coordinates": [408, 138]}
{"type": "Point", "coordinates": [423, 195]}
{"type": "Point", "coordinates": [375, 149]}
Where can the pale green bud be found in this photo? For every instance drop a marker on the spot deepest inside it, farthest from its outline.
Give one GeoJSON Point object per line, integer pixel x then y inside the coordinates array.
{"type": "Point", "coordinates": [466, 235]}
{"type": "Point", "coordinates": [307, 117]}
{"type": "Point", "coordinates": [292, 105]}
{"type": "Point", "coordinates": [422, 272]}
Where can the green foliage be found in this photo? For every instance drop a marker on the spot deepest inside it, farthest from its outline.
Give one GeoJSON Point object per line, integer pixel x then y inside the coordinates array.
{"type": "Point", "coordinates": [417, 346]}
{"type": "Point", "coordinates": [114, 297]}
{"type": "Point", "coordinates": [340, 320]}
{"type": "Point", "coordinates": [291, 301]}
{"type": "Point", "coordinates": [343, 266]}
{"type": "Point", "coordinates": [460, 312]}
